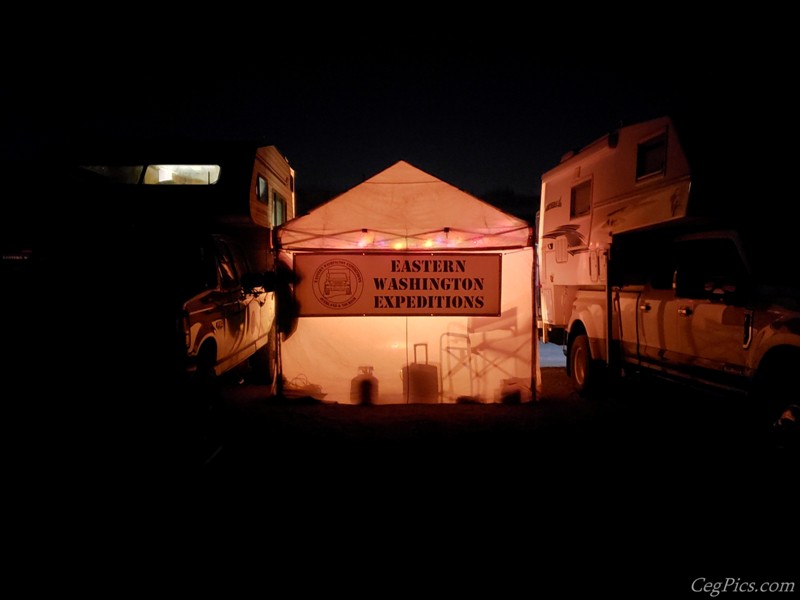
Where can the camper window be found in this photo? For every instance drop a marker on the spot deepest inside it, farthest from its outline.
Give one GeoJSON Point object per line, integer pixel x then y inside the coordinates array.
{"type": "Point", "coordinates": [278, 209]}
{"type": "Point", "coordinates": [651, 157]}
{"type": "Point", "coordinates": [261, 190]}
{"type": "Point", "coordinates": [581, 199]}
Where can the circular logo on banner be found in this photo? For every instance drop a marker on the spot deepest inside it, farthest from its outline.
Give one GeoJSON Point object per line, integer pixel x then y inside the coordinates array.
{"type": "Point", "coordinates": [338, 283]}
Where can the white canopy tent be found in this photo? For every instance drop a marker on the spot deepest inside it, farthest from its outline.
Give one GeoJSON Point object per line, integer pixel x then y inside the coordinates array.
{"type": "Point", "coordinates": [423, 290]}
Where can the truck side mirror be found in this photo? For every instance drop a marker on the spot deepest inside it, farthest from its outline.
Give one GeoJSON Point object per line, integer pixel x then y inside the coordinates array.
{"type": "Point", "coordinates": [252, 281]}
{"type": "Point", "coordinates": [729, 292]}
{"type": "Point", "coordinates": [719, 292]}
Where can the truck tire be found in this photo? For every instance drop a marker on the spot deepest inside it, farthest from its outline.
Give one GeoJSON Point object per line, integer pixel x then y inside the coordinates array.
{"type": "Point", "coordinates": [204, 409]}
{"type": "Point", "coordinates": [777, 398]}
{"type": "Point", "coordinates": [584, 371]}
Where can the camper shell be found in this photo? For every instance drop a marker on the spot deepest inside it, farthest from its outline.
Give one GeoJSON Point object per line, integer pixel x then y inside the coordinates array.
{"type": "Point", "coordinates": [631, 178]}
{"type": "Point", "coordinates": [644, 270]}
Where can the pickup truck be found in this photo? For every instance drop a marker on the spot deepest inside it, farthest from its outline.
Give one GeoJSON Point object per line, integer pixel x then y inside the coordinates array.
{"type": "Point", "coordinates": [142, 270]}
{"type": "Point", "coordinates": [690, 304]}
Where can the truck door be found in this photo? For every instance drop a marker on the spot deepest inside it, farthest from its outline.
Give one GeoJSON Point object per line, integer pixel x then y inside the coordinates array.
{"type": "Point", "coordinates": [714, 328]}
{"type": "Point", "coordinates": [231, 328]}
{"type": "Point", "coordinates": [657, 309]}
{"type": "Point", "coordinates": [258, 308]}
{"type": "Point", "coordinates": [643, 269]}
{"type": "Point", "coordinates": [658, 327]}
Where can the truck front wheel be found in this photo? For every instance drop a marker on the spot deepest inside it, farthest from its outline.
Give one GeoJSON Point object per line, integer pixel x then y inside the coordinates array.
{"type": "Point", "coordinates": [777, 400]}
{"type": "Point", "coordinates": [200, 423]}
{"type": "Point", "coordinates": [584, 372]}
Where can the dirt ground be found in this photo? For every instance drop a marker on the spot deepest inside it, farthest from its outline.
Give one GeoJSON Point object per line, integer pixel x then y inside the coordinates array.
{"type": "Point", "coordinates": [639, 419]}
{"type": "Point", "coordinates": [655, 485]}
{"type": "Point", "coordinates": [635, 495]}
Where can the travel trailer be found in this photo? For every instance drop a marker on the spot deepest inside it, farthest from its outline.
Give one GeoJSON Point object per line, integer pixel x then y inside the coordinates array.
{"type": "Point", "coordinates": [142, 271]}
{"type": "Point", "coordinates": [626, 247]}
{"type": "Point", "coordinates": [198, 227]}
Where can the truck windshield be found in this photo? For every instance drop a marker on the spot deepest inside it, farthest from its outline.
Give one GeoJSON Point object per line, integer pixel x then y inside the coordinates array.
{"type": "Point", "coordinates": [157, 174]}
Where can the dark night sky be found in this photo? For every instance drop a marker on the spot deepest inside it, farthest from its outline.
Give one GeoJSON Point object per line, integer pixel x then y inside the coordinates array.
{"type": "Point", "coordinates": [485, 114]}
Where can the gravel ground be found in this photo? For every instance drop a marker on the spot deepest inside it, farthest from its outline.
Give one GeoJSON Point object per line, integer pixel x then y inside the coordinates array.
{"type": "Point", "coordinates": [634, 496]}
{"type": "Point", "coordinates": [647, 419]}
{"type": "Point", "coordinates": [655, 486]}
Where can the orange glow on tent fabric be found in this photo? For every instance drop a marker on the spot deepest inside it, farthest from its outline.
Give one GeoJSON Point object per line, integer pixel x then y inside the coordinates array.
{"type": "Point", "coordinates": [366, 239]}
{"type": "Point", "coordinates": [406, 211]}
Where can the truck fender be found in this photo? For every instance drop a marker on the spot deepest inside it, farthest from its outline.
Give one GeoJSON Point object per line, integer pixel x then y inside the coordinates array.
{"type": "Point", "coordinates": [590, 319]}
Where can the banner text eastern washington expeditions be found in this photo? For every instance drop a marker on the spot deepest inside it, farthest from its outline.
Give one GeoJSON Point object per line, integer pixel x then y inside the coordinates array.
{"type": "Point", "coordinates": [386, 284]}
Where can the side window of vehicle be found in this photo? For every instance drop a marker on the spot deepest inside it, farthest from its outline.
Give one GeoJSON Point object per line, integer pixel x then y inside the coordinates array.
{"type": "Point", "coordinates": [662, 280]}
{"type": "Point", "coordinates": [648, 263]}
{"type": "Point", "coordinates": [240, 262]}
{"type": "Point", "coordinates": [708, 268]}
{"type": "Point", "coordinates": [200, 269]}
{"type": "Point", "coordinates": [663, 272]}
{"type": "Point", "coordinates": [228, 275]}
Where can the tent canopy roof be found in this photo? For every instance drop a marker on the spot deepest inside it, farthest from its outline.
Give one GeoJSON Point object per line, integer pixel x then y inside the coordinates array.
{"type": "Point", "coordinates": [404, 208]}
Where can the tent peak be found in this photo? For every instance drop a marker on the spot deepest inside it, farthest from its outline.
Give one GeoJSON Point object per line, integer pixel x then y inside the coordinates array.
{"type": "Point", "coordinates": [403, 172]}
{"type": "Point", "coordinates": [405, 208]}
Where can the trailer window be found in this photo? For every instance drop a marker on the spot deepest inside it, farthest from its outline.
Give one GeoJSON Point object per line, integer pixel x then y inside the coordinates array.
{"type": "Point", "coordinates": [261, 190]}
{"type": "Point", "coordinates": [181, 174]}
{"type": "Point", "coordinates": [278, 209]}
{"type": "Point", "coordinates": [651, 157]}
{"type": "Point", "coordinates": [155, 174]}
{"type": "Point", "coordinates": [581, 199]}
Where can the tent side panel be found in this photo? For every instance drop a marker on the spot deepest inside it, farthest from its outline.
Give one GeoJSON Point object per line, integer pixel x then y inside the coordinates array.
{"type": "Point", "coordinates": [483, 359]}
